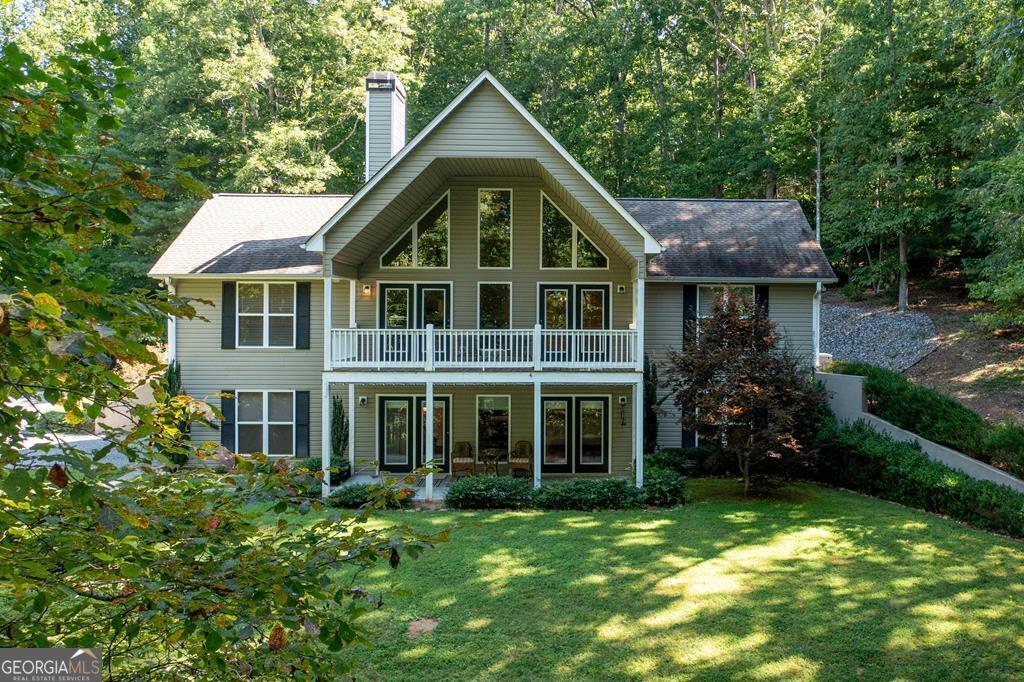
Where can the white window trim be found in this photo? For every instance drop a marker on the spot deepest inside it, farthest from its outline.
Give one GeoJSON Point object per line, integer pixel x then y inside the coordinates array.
{"type": "Point", "coordinates": [576, 231]}
{"type": "Point", "coordinates": [728, 288]}
{"type": "Point", "coordinates": [511, 228]}
{"type": "Point", "coordinates": [266, 314]}
{"type": "Point", "coordinates": [265, 422]}
{"type": "Point", "coordinates": [606, 430]}
{"type": "Point", "coordinates": [414, 303]}
{"type": "Point", "coordinates": [476, 435]}
{"type": "Point", "coordinates": [414, 229]}
{"type": "Point", "coordinates": [478, 309]}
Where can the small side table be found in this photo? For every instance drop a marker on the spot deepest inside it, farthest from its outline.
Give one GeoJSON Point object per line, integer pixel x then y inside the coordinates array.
{"type": "Point", "coordinates": [490, 457]}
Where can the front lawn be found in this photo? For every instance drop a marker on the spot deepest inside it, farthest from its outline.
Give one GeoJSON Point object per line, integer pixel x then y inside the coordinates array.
{"type": "Point", "coordinates": [813, 584]}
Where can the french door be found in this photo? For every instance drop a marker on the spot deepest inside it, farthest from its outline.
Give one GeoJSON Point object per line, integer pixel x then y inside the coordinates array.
{"type": "Point", "coordinates": [442, 432]}
{"type": "Point", "coordinates": [401, 429]}
{"type": "Point", "coordinates": [575, 434]}
{"type": "Point", "coordinates": [569, 307]}
{"type": "Point", "coordinates": [404, 307]}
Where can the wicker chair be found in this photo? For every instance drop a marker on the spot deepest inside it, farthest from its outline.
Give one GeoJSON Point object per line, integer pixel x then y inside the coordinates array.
{"type": "Point", "coordinates": [463, 460]}
{"type": "Point", "coordinates": [521, 459]}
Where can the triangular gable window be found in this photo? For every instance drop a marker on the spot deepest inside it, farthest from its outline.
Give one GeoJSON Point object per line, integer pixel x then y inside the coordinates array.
{"type": "Point", "coordinates": [563, 244]}
{"type": "Point", "coordinates": [425, 244]}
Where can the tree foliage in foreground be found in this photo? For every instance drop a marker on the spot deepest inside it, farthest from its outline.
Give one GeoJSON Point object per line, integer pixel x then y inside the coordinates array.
{"type": "Point", "coordinates": [740, 391]}
{"type": "Point", "coordinates": [200, 574]}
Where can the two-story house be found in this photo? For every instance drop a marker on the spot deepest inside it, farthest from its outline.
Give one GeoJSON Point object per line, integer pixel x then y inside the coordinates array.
{"type": "Point", "coordinates": [481, 293]}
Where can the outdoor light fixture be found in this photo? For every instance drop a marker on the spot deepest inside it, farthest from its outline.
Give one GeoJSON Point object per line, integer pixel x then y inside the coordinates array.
{"type": "Point", "coordinates": [622, 410]}
{"type": "Point", "coordinates": [367, 289]}
{"type": "Point", "coordinates": [362, 401]}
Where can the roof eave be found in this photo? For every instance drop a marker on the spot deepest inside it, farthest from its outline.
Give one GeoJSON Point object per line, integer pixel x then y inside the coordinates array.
{"type": "Point", "coordinates": [316, 242]}
{"type": "Point", "coordinates": [746, 280]}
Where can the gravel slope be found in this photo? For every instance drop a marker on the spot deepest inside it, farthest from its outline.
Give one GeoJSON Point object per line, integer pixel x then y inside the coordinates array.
{"type": "Point", "coordinates": [880, 336]}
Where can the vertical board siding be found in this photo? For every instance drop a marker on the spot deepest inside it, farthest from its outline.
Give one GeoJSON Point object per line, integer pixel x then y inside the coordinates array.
{"type": "Point", "coordinates": [206, 369]}
{"type": "Point", "coordinates": [464, 420]}
{"type": "Point", "coordinates": [487, 126]}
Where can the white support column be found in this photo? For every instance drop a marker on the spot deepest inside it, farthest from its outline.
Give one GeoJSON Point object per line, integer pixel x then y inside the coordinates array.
{"type": "Point", "coordinates": [352, 303]}
{"type": "Point", "coordinates": [638, 321]}
{"type": "Point", "coordinates": [351, 414]}
{"type": "Point", "coordinates": [328, 295]}
{"type": "Point", "coordinates": [428, 431]}
{"type": "Point", "coordinates": [325, 435]}
{"type": "Point", "coordinates": [172, 328]}
{"type": "Point", "coordinates": [429, 351]}
{"type": "Point", "coordinates": [538, 424]}
{"type": "Point", "coordinates": [538, 345]}
{"type": "Point", "coordinates": [638, 431]}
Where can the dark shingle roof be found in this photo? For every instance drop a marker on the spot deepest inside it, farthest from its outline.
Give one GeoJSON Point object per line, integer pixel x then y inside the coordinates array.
{"type": "Point", "coordinates": [727, 238]}
{"type": "Point", "coordinates": [250, 234]}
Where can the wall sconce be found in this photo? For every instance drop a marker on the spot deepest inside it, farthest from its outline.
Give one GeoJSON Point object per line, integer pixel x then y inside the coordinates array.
{"type": "Point", "coordinates": [362, 401]}
{"type": "Point", "coordinates": [622, 410]}
{"type": "Point", "coordinates": [367, 289]}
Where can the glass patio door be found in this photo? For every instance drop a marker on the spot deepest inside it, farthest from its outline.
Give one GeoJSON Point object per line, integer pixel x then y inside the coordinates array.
{"type": "Point", "coordinates": [442, 431]}
{"type": "Point", "coordinates": [396, 318]}
{"type": "Point", "coordinates": [434, 308]}
{"type": "Point", "coordinates": [556, 316]}
{"type": "Point", "coordinates": [395, 434]}
{"type": "Point", "coordinates": [556, 435]}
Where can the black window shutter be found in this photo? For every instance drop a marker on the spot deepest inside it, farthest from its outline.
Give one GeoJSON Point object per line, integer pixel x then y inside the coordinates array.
{"type": "Point", "coordinates": [689, 309]}
{"type": "Point", "coordinates": [302, 315]}
{"type": "Point", "coordinates": [761, 298]}
{"type": "Point", "coordinates": [227, 426]}
{"type": "Point", "coordinates": [302, 423]}
{"type": "Point", "coordinates": [228, 313]}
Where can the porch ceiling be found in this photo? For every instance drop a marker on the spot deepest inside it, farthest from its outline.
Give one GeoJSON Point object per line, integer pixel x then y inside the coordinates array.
{"type": "Point", "coordinates": [396, 216]}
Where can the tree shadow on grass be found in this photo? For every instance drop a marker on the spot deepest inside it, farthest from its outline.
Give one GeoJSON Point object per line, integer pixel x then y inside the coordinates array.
{"type": "Point", "coordinates": [836, 586]}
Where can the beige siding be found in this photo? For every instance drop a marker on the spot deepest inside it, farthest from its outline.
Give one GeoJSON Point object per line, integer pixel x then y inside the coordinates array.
{"type": "Point", "coordinates": [206, 369]}
{"type": "Point", "coordinates": [663, 329]}
{"type": "Point", "coordinates": [484, 126]}
{"type": "Point", "coordinates": [790, 306]}
{"type": "Point", "coordinates": [464, 274]}
{"type": "Point", "coordinates": [464, 419]}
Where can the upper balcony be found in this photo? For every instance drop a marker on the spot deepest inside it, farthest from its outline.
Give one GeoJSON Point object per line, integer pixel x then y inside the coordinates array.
{"type": "Point", "coordinates": [431, 349]}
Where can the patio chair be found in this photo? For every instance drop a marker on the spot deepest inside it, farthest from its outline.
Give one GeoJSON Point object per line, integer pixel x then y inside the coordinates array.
{"type": "Point", "coordinates": [463, 460]}
{"type": "Point", "coordinates": [521, 459]}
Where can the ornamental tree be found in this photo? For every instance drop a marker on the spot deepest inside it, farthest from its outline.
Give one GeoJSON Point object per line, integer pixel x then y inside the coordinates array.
{"type": "Point", "coordinates": [199, 574]}
{"type": "Point", "coordinates": [743, 393]}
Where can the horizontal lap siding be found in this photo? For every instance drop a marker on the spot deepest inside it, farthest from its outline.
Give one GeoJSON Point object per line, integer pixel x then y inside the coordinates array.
{"type": "Point", "coordinates": [463, 258]}
{"type": "Point", "coordinates": [464, 419]}
{"type": "Point", "coordinates": [206, 369]}
{"type": "Point", "coordinates": [663, 329]}
{"type": "Point", "coordinates": [486, 125]}
{"type": "Point", "coordinates": [791, 308]}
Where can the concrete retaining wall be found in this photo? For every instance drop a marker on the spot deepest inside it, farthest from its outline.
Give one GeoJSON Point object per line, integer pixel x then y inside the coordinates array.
{"type": "Point", "coordinates": [846, 398]}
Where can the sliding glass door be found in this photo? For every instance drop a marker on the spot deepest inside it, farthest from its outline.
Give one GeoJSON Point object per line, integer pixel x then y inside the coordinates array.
{"type": "Point", "coordinates": [395, 434]}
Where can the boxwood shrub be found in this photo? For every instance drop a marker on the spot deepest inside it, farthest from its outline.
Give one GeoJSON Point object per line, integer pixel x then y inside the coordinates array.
{"type": "Point", "coordinates": [588, 494]}
{"type": "Point", "coordinates": [487, 492]}
{"type": "Point", "coordinates": [859, 458]}
{"type": "Point", "coordinates": [699, 461]}
{"type": "Point", "coordinates": [663, 488]}
{"type": "Point", "coordinates": [937, 417]}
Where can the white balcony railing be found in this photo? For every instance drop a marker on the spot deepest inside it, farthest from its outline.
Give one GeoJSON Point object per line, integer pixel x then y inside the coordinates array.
{"type": "Point", "coordinates": [431, 349]}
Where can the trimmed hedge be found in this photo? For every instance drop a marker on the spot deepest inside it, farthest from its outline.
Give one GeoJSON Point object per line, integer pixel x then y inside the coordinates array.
{"type": "Point", "coordinates": [699, 461]}
{"type": "Point", "coordinates": [485, 492]}
{"type": "Point", "coordinates": [664, 488]}
{"type": "Point", "coordinates": [859, 458]}
{"type": "Point", "coordinates": [588, 494]}
{"type": "Point", "coordinates": [937, 417]}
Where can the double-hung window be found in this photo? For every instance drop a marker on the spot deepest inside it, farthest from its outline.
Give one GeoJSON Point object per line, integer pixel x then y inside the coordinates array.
{"type": "Point", "coordinates": [265, 422]}
{"type": "Point", "coordinates": [266, 314]}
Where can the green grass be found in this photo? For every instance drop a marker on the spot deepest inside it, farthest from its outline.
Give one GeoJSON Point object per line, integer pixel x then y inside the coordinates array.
{"type": "Point", "coordinates": [812, 584]}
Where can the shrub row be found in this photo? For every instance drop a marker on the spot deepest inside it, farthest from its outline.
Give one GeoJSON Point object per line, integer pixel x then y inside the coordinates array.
{"type": "Point", "coordinates": [700, 461]}
{"type": "Point", "coordinates": [859, 458]}
{"type": "Point", "coordinates": [662, 488]}
{"type": "Point", "coordinates": [937, 417]}
{"type": "Point", "coordinates": [358, 495]}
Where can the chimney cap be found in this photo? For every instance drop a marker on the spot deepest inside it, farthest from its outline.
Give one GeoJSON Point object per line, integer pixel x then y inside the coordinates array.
{"type": "Point", "coordinates": [385, 80]}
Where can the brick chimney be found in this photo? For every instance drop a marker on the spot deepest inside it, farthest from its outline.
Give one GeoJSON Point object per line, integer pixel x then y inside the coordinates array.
{"type": "Point", "coordinates": [385, 119]}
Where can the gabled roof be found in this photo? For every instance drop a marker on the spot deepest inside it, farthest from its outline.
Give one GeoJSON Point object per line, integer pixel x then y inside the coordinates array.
{"type": "Point", "coordinates": [250, 234]}
{"type": "Point", "coordinates": [731, 239]}
{"type": "Point", "coordinates": [316, 242]}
